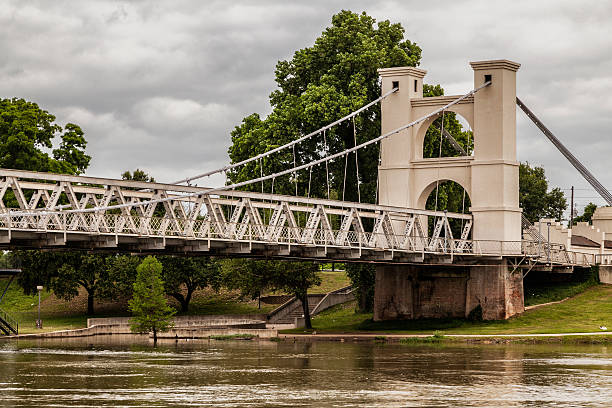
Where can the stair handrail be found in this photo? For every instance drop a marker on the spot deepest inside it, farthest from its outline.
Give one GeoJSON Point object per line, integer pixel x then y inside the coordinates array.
{"type": "Point", "coordinates": [347, 290]}
{"type": "Point", "coordinates": [10, 321]}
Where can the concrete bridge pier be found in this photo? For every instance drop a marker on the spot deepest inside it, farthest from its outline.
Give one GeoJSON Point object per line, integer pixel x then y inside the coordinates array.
{"type": "Point", "coordinates": [428, 291]}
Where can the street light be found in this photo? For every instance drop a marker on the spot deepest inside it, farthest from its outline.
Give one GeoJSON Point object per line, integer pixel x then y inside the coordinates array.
{"type": "Point", "coordinates": [39, 322]}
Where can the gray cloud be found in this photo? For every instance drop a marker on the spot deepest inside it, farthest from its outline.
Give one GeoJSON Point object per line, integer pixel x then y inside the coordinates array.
{"type": "Point", "coordinates": [160, 85]}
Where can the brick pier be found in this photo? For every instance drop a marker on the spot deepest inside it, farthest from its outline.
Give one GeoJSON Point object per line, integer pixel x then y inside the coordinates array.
{"type": "Point", "coordinates": [428, 291]}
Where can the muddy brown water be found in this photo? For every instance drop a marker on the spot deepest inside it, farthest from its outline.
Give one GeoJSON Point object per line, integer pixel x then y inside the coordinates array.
{"type": "Point", "coordinates": [129, 372]}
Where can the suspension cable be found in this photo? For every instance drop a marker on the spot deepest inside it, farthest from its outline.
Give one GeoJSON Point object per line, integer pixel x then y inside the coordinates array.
{"type": "Point", "coordinates": [293, 142]}
{"type": "Point", "coordinates": [326, 164]}
{"type": "Point", "coordinates": [439, 156]}
{"type": "Point", "coordinates": [309, 180]}
{"type": "Point", "coordinates": [295, 173]}
{"type": "Point", "coordinates": [344, 182]}
{"type": "Point", "coordinates": [356, 162]}
{"type": "Point", "coordinates": [268, 177]}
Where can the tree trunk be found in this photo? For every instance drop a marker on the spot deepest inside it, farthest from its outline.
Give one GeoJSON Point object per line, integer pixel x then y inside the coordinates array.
{"type": "Point", "coordinates": [184, 302]}
{"type": "Point", "coordinates": [154, 336]}
{"type": "Point", "coordinates": [185, 305]}
{"type": "Point", "coordinates": [90, 303]}
{"type": "Point", "coordinates": [363, 298]}
{"type": "Point", "coordinates": [306, 310]}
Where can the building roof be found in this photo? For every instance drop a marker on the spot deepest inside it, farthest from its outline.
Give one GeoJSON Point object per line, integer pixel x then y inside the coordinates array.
{"type": "Point", "coordinates": [578, 240]}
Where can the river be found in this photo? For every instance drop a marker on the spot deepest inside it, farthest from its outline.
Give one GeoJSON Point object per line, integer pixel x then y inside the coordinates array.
{"type": "Point", "coordinates": [101, 372]}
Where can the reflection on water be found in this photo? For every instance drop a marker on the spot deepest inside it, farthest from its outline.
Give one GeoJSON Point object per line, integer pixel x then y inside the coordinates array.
{"type": "Point", "coordinates": [126, 372]}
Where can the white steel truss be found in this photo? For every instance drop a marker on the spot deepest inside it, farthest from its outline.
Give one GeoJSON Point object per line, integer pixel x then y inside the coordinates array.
{"type": "Point", "coordinates": [36, 208]}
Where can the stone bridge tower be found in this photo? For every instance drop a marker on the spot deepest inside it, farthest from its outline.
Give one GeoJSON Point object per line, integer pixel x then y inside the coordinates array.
{"type": "Point", "coordinates": [489, 177]}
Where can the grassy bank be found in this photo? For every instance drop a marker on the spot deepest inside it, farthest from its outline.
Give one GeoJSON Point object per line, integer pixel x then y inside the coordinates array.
{"type": "Point", "coordinates": [58, 314]}
{"type": "Point", "coordinates": [583, 313]}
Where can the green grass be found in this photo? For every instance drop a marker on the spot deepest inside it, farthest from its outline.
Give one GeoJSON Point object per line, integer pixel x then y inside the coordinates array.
{"type": "Point", "coordinates": [583, 313]}
{"type": "Point", "coordinates": [538, 294]}
{"type": "Point", "coordinates": [331, 281]}
{"type": "Point", "coordinates": [240, 336]}
{"type": "Point", "coordinates": [27, 323]}
{"type": "Point", "coordinates": [15, 300]}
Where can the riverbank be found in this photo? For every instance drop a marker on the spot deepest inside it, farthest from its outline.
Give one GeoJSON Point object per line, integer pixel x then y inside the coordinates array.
{"type": "Point", "coordinates": [583, 313]}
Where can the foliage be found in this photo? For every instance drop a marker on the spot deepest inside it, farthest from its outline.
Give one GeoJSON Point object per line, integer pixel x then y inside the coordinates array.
{"type": "Point", "coordinates": [320, 84]}
{"type": "Point", "coordinates": [362, 277]}
{"type": "Point", "coordinates": [587, 215]}
{"type": "Point", "coordinates": [239, 336]}
{"type": "Point", "coordinates": [296, 278]}
{"type": "Point", "coordinates": [250, 276]}
{"type": "Point", "coordinates": [63, 273]}
{"type": "Point", "coordinates": [149, 305]}
{"type": "Point", "coordinates": [253, 276]}
{"type": "Point", "coordinates": [101, 275]}
{"type": "Point", "coordinates": [535, 199]}
{"type": "Point", "coordinates": [27, 132]}
{"type": "Point", "coordinates": [137, 175]}
{"type": "Point", "coordinates": [431, 143]}
{"type": "Point", "coordinates": [121, 275]}
{"type": "Point", "coordinates": [191, 273]}
{"type": "Point", "coordinates": [541, 290]}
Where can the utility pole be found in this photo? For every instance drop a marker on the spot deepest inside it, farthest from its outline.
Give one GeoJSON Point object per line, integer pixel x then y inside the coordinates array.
{"type": "Point", "coordinates": [572, 210]}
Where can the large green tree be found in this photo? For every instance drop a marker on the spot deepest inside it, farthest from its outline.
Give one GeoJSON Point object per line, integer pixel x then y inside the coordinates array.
{"type": "Point", "coordinates": [587, 215]}
{"type": "Point", "coordinates": [296, 278]}
{"type": "Point", "coordinates": [64, 273]}
{"type": "Point", "coordinates": [185, 275]}
{"type": "Point", "coordinates": [27, 133]}
{"type": "Point", "coordinates": [250, 276]}
{"type": "Point", "coordinates": [320, 84]}
{"type": "Point", "coordinates": [534, 196]}
{"type": "Point", "coordinates": [253, 276]}
{"type": "Point", "coordinates": [149, 307]}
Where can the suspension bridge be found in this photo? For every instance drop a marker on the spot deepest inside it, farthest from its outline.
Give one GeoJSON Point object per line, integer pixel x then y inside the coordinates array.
{"type": "Point", "coordinates": [420, 261]}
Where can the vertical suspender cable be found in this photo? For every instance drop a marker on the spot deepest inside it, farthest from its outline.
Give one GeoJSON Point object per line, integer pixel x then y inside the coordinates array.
{"type": "Point", "coordinates": [309, 180]}
{"type": "Point", "coordinates": [356, 161]}
{"type": "Point", "coordinates": [326, 165]}
{"type": "Point", "coordinates": [439, 156]}
{"type": "Point", "coordinates": [261, 171]}
{"type": "Point", "coordinates": [294, 173]}
{"type": "Point", "coordinates": [378, 169]}
{"type": "Point", "coordinates": [344, 182]}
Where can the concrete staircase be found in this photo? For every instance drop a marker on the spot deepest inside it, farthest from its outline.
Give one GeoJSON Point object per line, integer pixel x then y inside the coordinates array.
{"type": "Point", "coordinates": [292, 309]}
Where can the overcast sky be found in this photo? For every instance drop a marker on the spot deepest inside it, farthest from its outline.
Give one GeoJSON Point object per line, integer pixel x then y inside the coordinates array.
{"type": "Point", "coordinates": [159, 85]}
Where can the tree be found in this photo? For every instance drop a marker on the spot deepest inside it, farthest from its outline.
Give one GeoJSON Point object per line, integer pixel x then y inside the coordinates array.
{"type": "Point", "coordinates": [137, 175]}
{"type": "Point", "coordinates": [149, 305]}
{"type": "Point", "coordinates": [363, 277]}
{"type": "Point", "coordinates": [587, 215]}
{"type": "Point", "coordinates": [121, 275]}
{"type": "Point", "coordinates": [64, 273]}
{"type": "Point", "coordinates": [336, 75]}
{"type": "Point", "coordinates": [250, 276]}
{"type": "Point", "coordinates": [27, 133]}
{"type": "Point", "coordinates": [296, 278]}
{"type": "Point", "coordinates": [320, 84]}
{"type": "Point", "coordinates": [535, 199]}
{"type": "Point", "coordinates": [188, 273]}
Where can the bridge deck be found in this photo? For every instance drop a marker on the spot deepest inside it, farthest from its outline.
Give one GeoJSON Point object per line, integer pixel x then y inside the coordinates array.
{"type": "Point", "coordinates": [57, 212]}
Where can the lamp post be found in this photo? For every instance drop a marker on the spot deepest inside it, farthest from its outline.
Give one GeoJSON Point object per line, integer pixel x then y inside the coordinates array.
{"type": "Point", "coordinates": [39, 322]}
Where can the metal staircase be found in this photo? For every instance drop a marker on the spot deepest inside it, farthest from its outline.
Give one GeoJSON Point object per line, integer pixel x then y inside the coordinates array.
{"type": "Point", "coordinates": [8, 325]}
